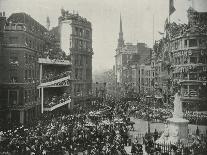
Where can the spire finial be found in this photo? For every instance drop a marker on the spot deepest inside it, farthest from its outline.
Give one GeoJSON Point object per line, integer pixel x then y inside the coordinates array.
{"type": "Point", "coordinates": [121, 39]}
{"type": "Point", "coordinates": [120, 24]}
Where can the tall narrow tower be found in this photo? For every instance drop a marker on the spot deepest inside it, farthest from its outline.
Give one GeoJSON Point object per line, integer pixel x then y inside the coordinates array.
{"type": "Point", "coordinates": [121, 39]}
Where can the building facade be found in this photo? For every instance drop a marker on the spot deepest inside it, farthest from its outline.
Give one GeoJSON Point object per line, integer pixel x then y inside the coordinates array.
{"type": "Point", "coordinates": [76, 41]}
{"type": "Point", "coordinates": [180, 61]}
{"type": "Point", "coordinates": [24, 41]}
{"type": "Point", "coordinates": [127, 60]}
{"type": "Point", "coordinates": [146, 78]}
{"type": "Point", "coordinates": [189, 59]}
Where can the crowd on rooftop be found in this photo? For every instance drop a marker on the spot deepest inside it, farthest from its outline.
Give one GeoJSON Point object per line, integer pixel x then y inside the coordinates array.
{"type": "Point", "coordinates": [176, 30]}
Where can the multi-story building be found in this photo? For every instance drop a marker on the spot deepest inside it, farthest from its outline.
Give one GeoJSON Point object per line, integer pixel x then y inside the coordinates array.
{"type": "Point", "coordinates": [76, 41]}
{"type": "Point", "coordinates": [189, 59]}
{"type": "Point", "coordinates": [127, 60]}
{"type": "Point", "coordinates": [181, 60]}
{"type": "Point", "coordinates": [146, 77]}
{"type": "Point", "coordinates": [23, 41]}
{"type": "Point", "coordinates": [31, 55]}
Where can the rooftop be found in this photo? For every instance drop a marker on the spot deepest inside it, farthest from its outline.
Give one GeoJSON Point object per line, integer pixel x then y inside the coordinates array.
{"type": "Point", "coordinates": [66, 15]}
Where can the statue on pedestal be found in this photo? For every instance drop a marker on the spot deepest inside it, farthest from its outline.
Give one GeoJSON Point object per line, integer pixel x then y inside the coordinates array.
{"type": "Point", "coordinates": [178, 109]}
{"type": "Point", "coordinates": [177, 127]}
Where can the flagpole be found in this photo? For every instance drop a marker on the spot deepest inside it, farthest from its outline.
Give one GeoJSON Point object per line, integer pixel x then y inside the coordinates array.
{"type": "Point", "coordinates": [169, 12]}
{"type": "Point", "coordinates": [153, 24]}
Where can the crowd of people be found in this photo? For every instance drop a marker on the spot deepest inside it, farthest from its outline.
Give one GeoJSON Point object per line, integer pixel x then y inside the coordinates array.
{"type": "Point", "coordinates": [196, 118]}
{"type": "Point", "coordinates": [100, 130]}
{"type": "Point", "coordinates": [54, 100]}
{"type": "Point", "coordinates": [141, 110]}
{"type": "Point", "coordinates": [176, 30]}
{"type": "Point", "coordinates": [51, 76]}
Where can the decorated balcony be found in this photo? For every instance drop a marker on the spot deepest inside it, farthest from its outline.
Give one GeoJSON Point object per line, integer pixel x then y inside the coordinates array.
{"type": "Point", "coordinates": [55, 102]}
{"type": "Point", "coordinates": [56, 80]}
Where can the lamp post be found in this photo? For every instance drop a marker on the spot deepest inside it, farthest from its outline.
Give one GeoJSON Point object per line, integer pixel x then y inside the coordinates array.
{"type": "Point", "coordinates": [148, 120]}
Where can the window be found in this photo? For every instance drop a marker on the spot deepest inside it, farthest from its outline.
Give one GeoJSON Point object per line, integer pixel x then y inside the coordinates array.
{"type": "Point", "coordinates": [76, 73]}
{"type": "Point", "coordinates": [13, 60]}
{"type": "Point", "coordinates": [30, 74]}
{"type": "Point", "coordinates": [84, 44]}
{"type": "Point", "coordinates": [185, 61]}
{"type": "Point", "coordinates": [25, 96]}
{"type": "Point", "coordinates": [25, 74]}
{"type": "Point", "coordinates": [201, 60]}
{"type": "Point", "coordinates": [76, 43]}
{"type": "Point", "coordinates": [81, 44]}
{"type": "Point", "coordinates": [30, 43]}
{"type": "Point", "coordinates": [193, 76]}
{"type": "Point", "coordinates": [76, 31]}
{"type": "Point", "coordinates": [29, 95]}
{"type": "Point", "coordinates": [13, 40]}
{"type": "Point", "coordinates": [81, 32]}
{"type": "Point", "coordinates": [192, 42]}
{"type": "Point", "coordinates": [13, 75]}
{"type": "Point", "coordinates": [185, 43]}
{"type": "Point", "coordinates": [26, 58]}
{"type": "Point", "coordinates": [13, 97]}
{"type": "Point", "coordinates": [87, 34]}
{"type": "Point", "coordinates": [185, 76]}
{"type": "Point", "coordinates": [193, 59]}
{"type": "Point", "coordinates": [33, 74]}
{"type": "Point", "coordinates": [176, 45]}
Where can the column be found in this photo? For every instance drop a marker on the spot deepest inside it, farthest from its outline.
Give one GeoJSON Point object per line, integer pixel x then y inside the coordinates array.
{"type": "Point", "coordinates": [40, 72]}
{"type": "Point", "coordinates": [42, 99]}
{"type": "Point", "coordinates": [22, 117]}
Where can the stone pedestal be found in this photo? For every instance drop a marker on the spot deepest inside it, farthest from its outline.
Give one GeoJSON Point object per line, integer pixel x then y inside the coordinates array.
{"type": "Point", "coordinates": [177, 127]}
{"type": "Point", "coordinates": [176, 130]}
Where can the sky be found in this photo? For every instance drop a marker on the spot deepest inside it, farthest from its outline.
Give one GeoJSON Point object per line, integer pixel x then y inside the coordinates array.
{"type": "Point", "coordinates": [137, 19]}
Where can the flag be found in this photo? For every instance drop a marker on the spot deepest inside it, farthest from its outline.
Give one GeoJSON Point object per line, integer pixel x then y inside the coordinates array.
{"type": "Point", "coordinates": [166, 24]}
{"type": "Point", "coordinates": [171, 7]}
{"type": "Point", "coordinates": [161, 33]}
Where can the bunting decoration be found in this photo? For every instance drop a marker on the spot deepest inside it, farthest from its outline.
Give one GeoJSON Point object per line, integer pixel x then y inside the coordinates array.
{"type": "Point", "coordinates": [161, 33]}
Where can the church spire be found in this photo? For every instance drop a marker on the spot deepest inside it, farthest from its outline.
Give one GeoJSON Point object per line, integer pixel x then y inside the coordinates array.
{"type": "Point", "coordinates": [121, 39]}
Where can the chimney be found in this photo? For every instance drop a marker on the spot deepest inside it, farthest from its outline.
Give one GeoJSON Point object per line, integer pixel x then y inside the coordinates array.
{"type": "Point", "coordinates": [3, 14]}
